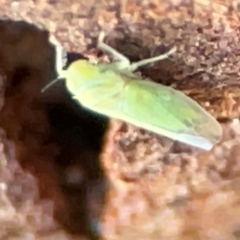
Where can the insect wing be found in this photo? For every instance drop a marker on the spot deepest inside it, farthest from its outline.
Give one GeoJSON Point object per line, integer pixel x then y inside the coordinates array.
{"type": "Point", "coordinates": [169, 112]}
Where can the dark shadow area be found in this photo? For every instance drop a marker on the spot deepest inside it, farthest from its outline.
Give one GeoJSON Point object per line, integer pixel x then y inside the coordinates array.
{"type": "Point", "coordinates": [56, 140]}
{"type": "Point", "coordinates": [79, 134]}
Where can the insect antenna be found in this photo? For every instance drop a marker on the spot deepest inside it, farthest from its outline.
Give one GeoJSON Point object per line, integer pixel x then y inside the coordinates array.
{"type": "Point", "coordinates": [50, 84]}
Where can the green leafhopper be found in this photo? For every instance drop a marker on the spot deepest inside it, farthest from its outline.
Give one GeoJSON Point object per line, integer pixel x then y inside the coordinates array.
{"type": "Point", "coordinates": [112, 89]}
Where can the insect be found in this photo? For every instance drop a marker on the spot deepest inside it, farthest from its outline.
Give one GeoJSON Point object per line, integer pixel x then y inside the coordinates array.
{"type": "Point", "coordinates": [113, 90]}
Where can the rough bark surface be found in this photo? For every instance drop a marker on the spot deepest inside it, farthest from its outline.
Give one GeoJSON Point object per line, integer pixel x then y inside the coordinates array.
{"type": "Point", "coordinates": [67, 173]}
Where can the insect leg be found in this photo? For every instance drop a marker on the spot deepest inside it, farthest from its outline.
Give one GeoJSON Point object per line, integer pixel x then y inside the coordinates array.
{"type": "Point", "coordinates": [61, 59]}
{"type": "Point", "coordinates": [61, 54]}
{"type": "Point", "coordinates": [136, 65]}
{"type": "Point", "coordinates": [123, 60]}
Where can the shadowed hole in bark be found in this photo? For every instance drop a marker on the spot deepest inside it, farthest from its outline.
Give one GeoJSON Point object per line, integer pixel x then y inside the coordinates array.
{"type": "Point", "coordinates": [56, 140]}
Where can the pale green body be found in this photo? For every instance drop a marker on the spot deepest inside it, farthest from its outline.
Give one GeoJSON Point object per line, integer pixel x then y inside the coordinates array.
{"type": "Point", "coordinates": [114, 90]}
{"type": "Point", "coordinates": [146, 104]}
